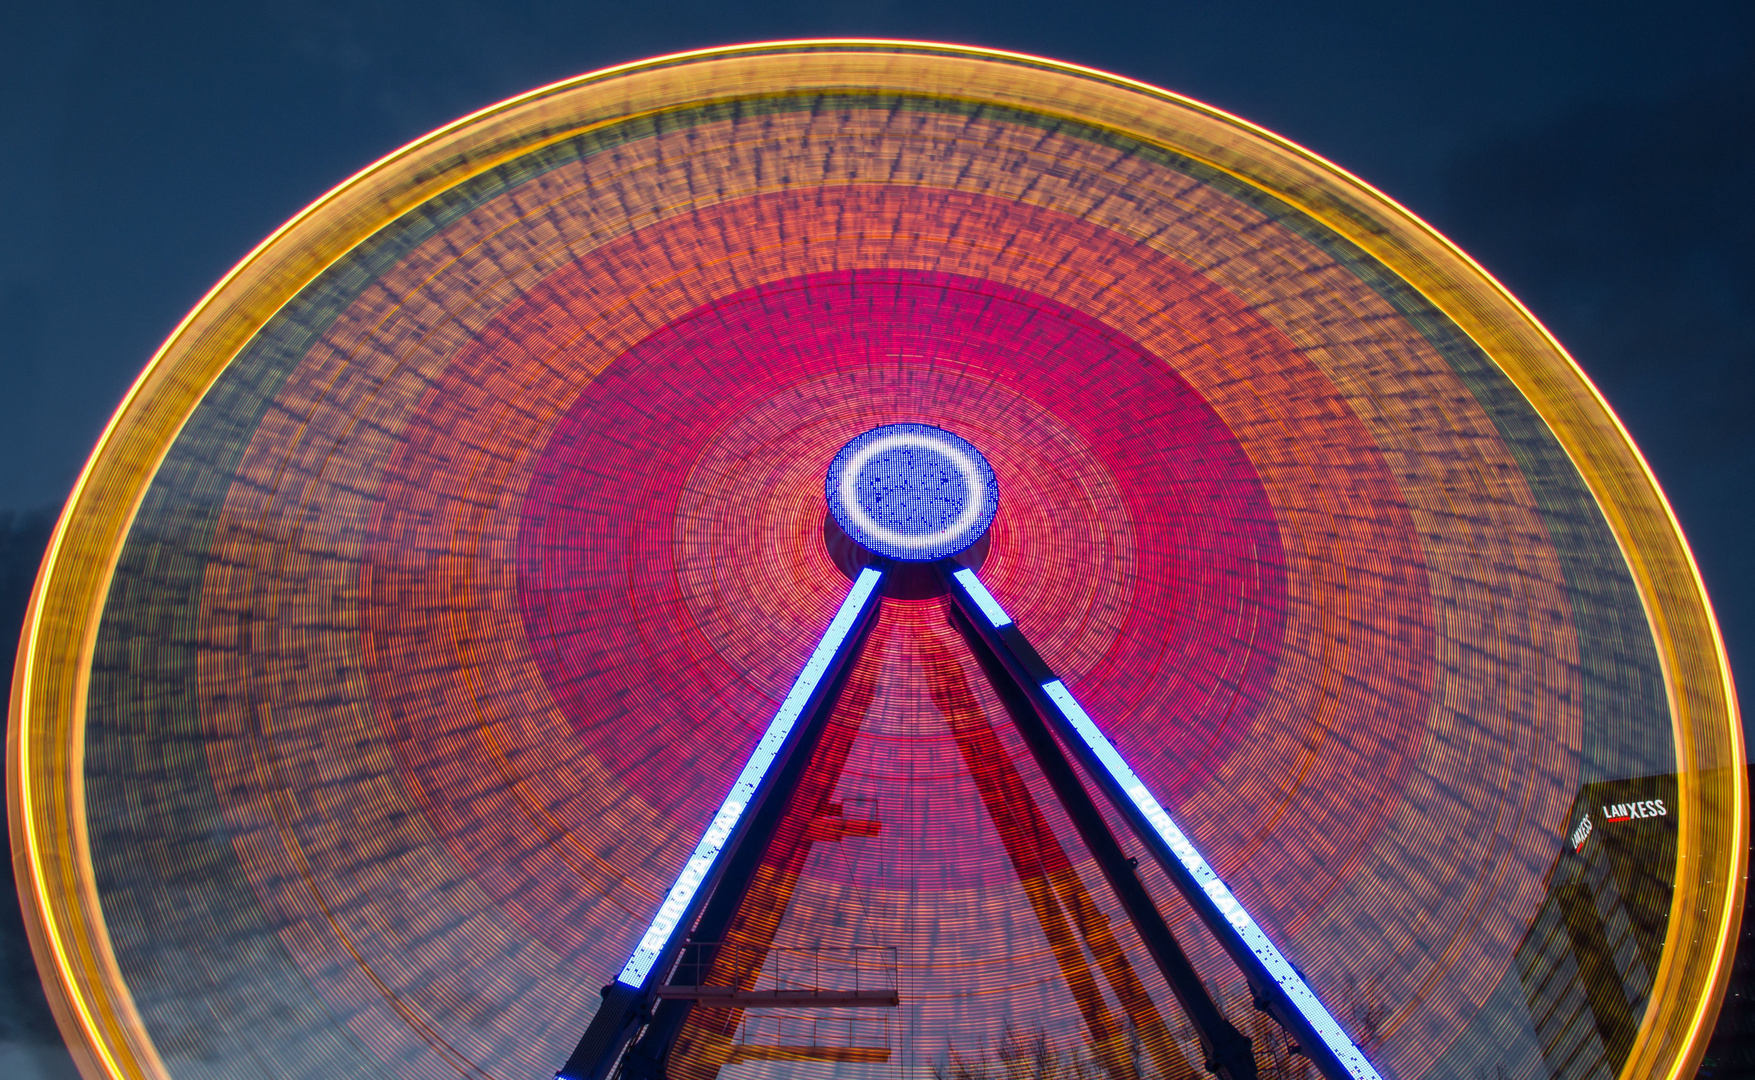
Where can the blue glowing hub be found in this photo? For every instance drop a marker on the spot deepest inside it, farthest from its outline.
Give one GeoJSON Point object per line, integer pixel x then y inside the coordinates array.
{"type": "Point", "coordinates": [912, 492]}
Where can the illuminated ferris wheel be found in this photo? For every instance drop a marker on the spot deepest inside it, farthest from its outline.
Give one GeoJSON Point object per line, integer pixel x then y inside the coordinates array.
{"type": "Point", "coordinates": [877, 560]}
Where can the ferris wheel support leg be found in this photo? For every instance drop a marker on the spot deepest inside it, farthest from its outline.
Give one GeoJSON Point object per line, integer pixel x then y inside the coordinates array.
{"type": "Point", "coordinates": [648, 1058]}
{"type": "Point", "coordinates": [731, 839]}
{"type": "Point", "coordinates": [1278, 987]}
{"type": "Point", "coordinates": [1229, 1053]}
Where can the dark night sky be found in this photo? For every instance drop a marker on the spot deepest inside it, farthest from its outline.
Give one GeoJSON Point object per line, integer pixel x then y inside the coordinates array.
{"type": "Point", "coordinates": [1598, 157]}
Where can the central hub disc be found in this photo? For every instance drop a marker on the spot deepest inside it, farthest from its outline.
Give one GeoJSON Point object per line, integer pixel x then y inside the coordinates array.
{"type": "Point", "coordinates": [912, 492]}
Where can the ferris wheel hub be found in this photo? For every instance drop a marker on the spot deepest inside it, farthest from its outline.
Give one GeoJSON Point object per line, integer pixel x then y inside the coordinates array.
{"type": "Point", "coordinates": [912, 492]}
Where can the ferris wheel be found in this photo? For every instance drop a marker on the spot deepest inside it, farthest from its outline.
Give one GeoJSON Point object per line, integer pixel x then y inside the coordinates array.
{"type": "Point", "coordinates": [870, 559]}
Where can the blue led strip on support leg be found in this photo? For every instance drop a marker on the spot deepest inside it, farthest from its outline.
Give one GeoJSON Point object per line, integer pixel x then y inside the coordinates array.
{"type": "Point", "coordinates": [1297, 991]}
{"type": "Point", "coordinates": [627, 1000]}
{"type": "Point", "coordinates": [1218, 896]}
{"type": "Point", "coordinates": [700, 865]}
{"type": "Point", "coordinates": [983, 599]}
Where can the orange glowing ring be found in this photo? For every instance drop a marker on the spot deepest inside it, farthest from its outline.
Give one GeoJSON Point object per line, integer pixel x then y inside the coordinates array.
{"type": "Point", "coordinates": [313, 753]}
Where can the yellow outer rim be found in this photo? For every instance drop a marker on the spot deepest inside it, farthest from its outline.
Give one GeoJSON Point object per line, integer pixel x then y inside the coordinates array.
{"type": "Point", "coordinates": [45, 738]}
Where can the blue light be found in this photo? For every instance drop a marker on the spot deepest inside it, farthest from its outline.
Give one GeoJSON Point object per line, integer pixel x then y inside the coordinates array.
{"type": "Point", "coordinates": [1301, 996]}
{"type": "Point", "coordinates": [983, 599]}
{"type": "Point", "coordinates": [912, 492]}
{"type": "Point", "coordinates": [700, 864]}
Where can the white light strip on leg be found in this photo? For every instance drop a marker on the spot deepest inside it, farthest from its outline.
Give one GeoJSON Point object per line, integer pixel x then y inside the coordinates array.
{"type": "Point", "coordinates": [712, 843]}
{"type": "Point", "coordinates": [983, 599]}
{"type": "Point", "coordinates": [1301, 996]}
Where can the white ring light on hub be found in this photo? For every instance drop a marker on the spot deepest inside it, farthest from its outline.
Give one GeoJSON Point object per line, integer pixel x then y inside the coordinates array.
{"type": "Point", "coordinates": [856, 519]}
